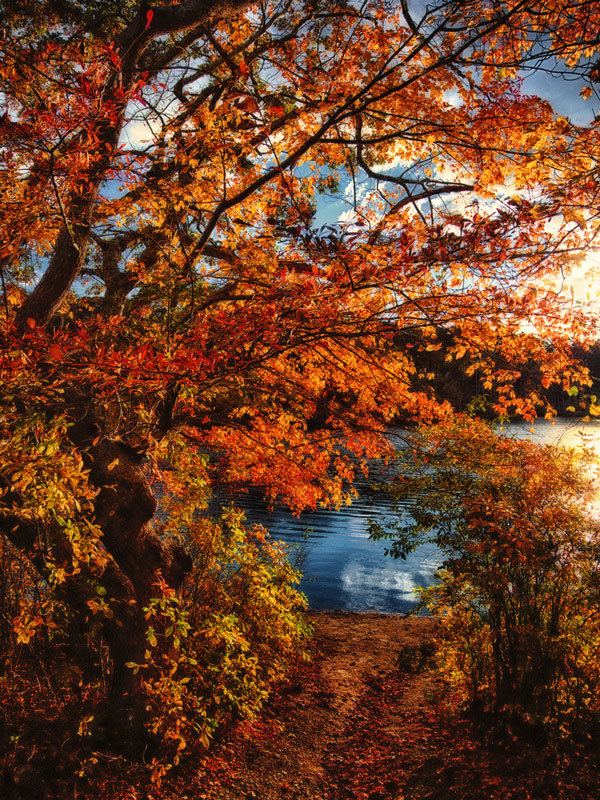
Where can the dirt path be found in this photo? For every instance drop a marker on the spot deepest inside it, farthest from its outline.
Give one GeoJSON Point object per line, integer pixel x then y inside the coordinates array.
{"type": "Point", "coordinates": [325, 726]}
{"type": "Point", "coordinates": [357, 723]}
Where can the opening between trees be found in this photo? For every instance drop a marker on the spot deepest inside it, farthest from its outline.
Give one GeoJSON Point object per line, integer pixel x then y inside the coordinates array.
{"type": "Point", "coordinates": [174, 312]}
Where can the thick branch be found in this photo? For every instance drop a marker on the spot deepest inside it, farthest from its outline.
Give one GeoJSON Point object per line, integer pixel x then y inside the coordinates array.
{"type": "Point", "coordinates": [71, 246]}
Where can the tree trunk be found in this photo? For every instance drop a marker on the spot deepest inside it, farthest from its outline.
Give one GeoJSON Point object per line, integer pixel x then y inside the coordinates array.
{"type": "Point", "coordinates": [140, 562]}
{"type": "Point", "coordinates": [124, 508]}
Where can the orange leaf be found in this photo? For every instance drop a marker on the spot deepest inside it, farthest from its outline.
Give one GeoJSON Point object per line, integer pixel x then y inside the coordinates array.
{"type": "Point", "coordinates": [55, 352]}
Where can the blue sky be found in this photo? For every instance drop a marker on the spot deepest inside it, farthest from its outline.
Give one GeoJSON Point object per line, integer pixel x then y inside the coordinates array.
{"type": "Point", "coordinates": [564, 94]}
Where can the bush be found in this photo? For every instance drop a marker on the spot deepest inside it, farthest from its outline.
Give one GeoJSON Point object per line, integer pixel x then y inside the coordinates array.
{"type": "Point", "coordinates": [519, 590]}
{"type": "Point", "coordinates": [214, 653]}
{"type": "Point", "coordinates": [213, 649]}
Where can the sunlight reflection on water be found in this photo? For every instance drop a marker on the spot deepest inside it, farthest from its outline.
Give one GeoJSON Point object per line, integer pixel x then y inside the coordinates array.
{"type": "Point", "coordinates": [344, 569]}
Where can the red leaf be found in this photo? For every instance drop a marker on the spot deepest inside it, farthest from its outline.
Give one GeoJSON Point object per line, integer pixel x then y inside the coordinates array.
{"type": "Point", "coordinates": [149, 15]}
{"type": "Point", "coordinates": [244, 69]}
{"type": "Point", "coordinates": [247, 104]}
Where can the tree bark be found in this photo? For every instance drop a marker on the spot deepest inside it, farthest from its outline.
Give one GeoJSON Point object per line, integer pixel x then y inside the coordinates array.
{"type": "Point", "coordinates": [124, 508]}
{"type": "Point", "coordinates": [71, 245]}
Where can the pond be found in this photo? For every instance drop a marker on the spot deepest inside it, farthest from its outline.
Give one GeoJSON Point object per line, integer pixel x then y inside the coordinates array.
{"type": "Point", "coordinates": [344, 569]}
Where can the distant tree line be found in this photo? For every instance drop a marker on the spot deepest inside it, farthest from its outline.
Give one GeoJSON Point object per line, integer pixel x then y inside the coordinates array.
{"type": "Point", "coordinates": [461, 383]}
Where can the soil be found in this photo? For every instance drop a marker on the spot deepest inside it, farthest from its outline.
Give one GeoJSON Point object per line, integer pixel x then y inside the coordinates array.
{"type": "Point", "coordinates": [301, 755]}
{"type": "Point", "coordinates": [362, 721]}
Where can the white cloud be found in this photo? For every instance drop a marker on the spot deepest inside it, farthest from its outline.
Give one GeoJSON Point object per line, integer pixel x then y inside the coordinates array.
{"type": "Point", "coordinates": [139, 133]}
{"type": "Point", "coordinates": [582, 283]}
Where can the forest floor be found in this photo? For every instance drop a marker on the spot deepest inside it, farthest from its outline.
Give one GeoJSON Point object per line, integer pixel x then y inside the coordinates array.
{"type": "Point", "coordinates": [360, 721]}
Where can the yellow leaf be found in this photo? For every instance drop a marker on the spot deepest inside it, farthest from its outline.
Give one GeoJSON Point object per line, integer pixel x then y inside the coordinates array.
{"type": "Point", "coordinates": [112, 464]}
{"type": "Point", "coordinates": [594, 410]}
{"type": "Point", "coordinates": [576, 217]}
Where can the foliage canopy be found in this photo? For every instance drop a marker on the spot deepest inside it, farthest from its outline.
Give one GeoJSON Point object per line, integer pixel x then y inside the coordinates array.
{"type": "Point", "coordinates": [171, 306]}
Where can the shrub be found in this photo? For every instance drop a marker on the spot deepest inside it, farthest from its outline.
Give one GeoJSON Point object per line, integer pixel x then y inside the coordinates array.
{"type": "Point", "coordinates": [214, 653]}
{"type": "Point", "coordinates": [519, 590]}
{"type": "Point", "coordinates": [213, 649]}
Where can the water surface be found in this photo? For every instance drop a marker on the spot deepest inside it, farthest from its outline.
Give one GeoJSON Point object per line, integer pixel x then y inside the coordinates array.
{"type": "Point", "coordinates": [344, 569]}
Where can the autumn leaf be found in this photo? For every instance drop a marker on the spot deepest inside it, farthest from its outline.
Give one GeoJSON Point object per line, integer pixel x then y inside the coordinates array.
{"type": "Point", "coordinates": [571, 215]}
{"type": "Point", "coordinates": [225, 296]}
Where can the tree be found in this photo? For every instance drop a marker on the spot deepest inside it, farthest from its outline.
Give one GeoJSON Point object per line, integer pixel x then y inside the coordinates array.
{"type": "Point", "coordinates": [171, 307]}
